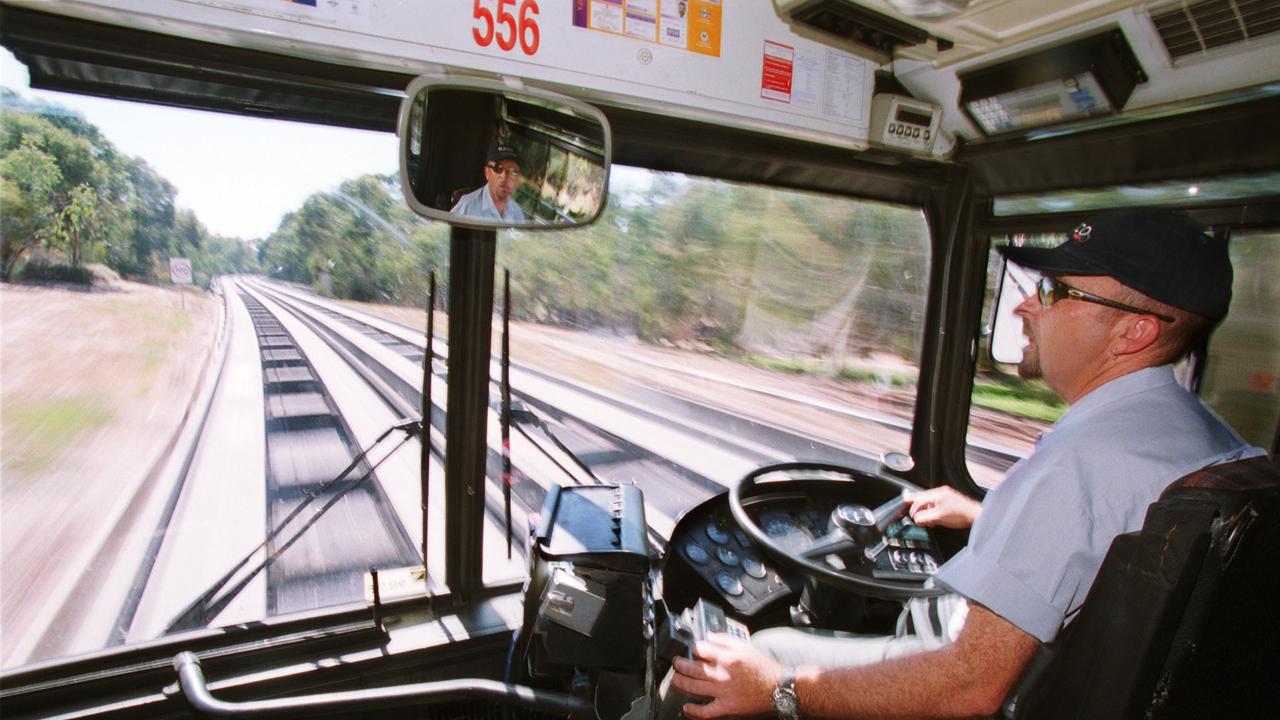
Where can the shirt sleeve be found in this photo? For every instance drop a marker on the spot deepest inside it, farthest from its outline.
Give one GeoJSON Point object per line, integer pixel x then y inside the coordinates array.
{"type": "Point", "coordinates": [1033, 551]}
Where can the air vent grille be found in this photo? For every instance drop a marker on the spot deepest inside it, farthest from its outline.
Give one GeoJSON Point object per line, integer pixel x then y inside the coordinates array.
{"type": "Point", "coordinates": [1190, 29]}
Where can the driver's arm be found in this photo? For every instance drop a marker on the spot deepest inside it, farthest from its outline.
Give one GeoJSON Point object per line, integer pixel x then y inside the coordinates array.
{"type": "Point", "coordinates": [944, 506]}
{"type": "Point", "coordinates": [968, 677]}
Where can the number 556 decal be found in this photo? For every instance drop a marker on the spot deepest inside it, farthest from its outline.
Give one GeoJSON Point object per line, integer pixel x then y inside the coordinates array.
{"type": "Point", "coordinates": [507, 28]}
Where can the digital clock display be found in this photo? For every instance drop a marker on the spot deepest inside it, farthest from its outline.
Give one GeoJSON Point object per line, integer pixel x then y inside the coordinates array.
{"type": "Point", "coordinates": [907, 116]}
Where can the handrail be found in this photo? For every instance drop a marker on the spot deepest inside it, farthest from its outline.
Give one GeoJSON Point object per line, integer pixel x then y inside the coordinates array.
{"type": "Point", "coordinates": [193, 687]}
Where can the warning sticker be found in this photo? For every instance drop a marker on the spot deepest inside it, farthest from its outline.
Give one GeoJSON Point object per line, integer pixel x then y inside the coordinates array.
{"type": "Point", "coordinates": [779, 69]}
{"type": "Point", "coordinates": [688, 24]}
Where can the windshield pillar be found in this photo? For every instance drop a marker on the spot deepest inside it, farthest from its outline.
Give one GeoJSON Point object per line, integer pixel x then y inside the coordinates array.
{"type": "Point", "coordinates": [471, 268]}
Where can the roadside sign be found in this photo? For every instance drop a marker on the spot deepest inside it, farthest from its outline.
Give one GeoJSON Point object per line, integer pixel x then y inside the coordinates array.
{"type": "Point", "coordinates": [180, 270]}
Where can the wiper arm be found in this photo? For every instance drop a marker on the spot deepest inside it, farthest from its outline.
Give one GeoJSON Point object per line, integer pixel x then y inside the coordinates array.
{"type": "Point", "coordinates": [210, 603]}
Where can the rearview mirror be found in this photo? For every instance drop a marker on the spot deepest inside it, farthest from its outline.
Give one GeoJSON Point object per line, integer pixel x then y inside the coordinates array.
{"type": "Point", "coordinates": [477, 154]}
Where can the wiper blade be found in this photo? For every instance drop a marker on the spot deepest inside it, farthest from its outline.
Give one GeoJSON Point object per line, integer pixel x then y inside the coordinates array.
{"type": "Point", "coordinates": [210, 603]}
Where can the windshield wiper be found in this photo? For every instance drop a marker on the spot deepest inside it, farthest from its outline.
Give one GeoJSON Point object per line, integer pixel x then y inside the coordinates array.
{"type": "Point", "coordinates": [206, 607]}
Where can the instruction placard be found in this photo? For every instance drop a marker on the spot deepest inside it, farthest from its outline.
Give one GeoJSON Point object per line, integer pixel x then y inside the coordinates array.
{"type": "Point", "coordinates": [689, 24]}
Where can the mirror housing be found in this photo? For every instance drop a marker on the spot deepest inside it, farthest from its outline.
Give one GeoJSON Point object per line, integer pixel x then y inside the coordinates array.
{"type": "Point", "coordinates": [478, 154]}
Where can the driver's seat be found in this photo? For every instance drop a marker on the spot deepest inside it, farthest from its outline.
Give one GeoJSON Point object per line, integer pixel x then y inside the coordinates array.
{"type": "Point", "coordinates": [1183, 620]}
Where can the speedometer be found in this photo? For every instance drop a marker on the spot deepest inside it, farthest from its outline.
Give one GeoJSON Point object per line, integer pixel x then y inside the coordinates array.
{"type": "Point", "coordinates": [785, 529]}
{"type": "Point", "coordinates": [779, 525]}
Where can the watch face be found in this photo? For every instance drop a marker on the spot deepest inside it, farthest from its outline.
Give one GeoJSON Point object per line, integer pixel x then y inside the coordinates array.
{"type": "Point", "coordinates": [784, 702]}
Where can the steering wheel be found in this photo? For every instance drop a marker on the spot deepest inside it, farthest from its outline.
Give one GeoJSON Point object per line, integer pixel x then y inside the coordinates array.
{"type": "Point", "coordinates": [856, 527]}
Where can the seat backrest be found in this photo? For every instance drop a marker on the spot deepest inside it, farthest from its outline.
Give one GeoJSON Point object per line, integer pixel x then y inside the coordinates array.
{"type": "Point", "coordinates": [1181, 621]}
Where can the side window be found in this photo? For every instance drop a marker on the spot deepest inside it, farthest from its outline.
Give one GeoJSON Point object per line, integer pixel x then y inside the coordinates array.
{"type": "Point", "coordinates": [1006, 412]}
{"type": "Point", "coordinates": [1242, 373]}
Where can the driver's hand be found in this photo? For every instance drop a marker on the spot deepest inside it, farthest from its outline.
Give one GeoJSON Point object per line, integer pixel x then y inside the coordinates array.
{"type": "Point", "coordinates": [944, 506]}
{"type": "Point", "coordinates": [736, 677]}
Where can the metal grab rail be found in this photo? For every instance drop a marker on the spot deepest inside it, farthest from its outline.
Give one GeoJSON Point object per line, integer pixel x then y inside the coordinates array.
{"type": "Point", "coordinates": [195, 690]}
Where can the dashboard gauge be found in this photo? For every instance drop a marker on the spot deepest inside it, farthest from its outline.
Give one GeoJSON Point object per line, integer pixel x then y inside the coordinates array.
{"type": "Point", "coordinates": [696, 553]}
{"type": "Point", "coordinates": [811, 519]}
{"type": "Point", "coordinates": [717, 533]}
{"type": "Point", "coordinates": [727, 556]}
{"type": "Point", "coordinates": [753, 567]}
{"type": "Point", "coordinates": [779, 525]}
{"type": "Point", "coordinates": [729, 583]}
{"type": "Point", "coordinates": [785, 530]}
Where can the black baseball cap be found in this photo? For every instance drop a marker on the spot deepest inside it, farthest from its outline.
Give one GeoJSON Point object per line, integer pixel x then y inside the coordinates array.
{"type": "Point", "coordinates": [499, 151]}
{"type": "Point", "coordinates": [1162, 254]}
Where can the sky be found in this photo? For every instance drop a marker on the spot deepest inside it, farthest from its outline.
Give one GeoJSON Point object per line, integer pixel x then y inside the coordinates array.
{"type": "Point", "coordinates": [238, 174]}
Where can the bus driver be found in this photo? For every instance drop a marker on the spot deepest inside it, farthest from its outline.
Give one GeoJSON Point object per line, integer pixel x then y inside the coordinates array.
{"type": "Point", "coordinates": [493, 200]}
{"type": "Point", "coordinates": [1128, 294]}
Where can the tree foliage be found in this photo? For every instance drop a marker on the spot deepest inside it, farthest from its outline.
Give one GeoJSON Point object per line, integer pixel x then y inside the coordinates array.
{"type": "Point", "coordinates": [65, 190]}
{"type": "Point", "coordinates": [358, 242]}
{"type": "Point", "coordinates": [698, 261]}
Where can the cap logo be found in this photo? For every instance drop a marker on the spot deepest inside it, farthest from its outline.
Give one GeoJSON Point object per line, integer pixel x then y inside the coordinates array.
{"type": "Point", "coordinates": [1081, 233]}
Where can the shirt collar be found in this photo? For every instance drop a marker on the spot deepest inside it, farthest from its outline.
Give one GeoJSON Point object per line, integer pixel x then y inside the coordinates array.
{"type": "Point", "coordinates": [1123, 386]}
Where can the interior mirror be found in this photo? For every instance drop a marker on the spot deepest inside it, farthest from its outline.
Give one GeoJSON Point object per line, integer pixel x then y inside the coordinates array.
{"type": "Point", "coordinates": [476, 153]}
{"type": "Point", "coordinates": [1016, 283]}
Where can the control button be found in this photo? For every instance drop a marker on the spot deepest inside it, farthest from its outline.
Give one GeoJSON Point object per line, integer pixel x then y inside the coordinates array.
{"type": "Point", "coordinates": [729, 583]}
{"type": "Point", "coordinates": [914, 562]}
{"type": "Point", "coordinates": [743, 540]}
{"type": "Point", "coordinates": [727, 556]}
{"type": "Point", "coordinates": [717, 534]}
{"type": "Point", "coordinates": [753, 567]}
{"type": "Point", "coordinates": [696, 553]}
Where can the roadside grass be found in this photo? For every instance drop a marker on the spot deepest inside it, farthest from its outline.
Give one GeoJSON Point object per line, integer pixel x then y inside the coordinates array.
{"type": "Point", "coordinates": [877, 377]}
{"type": "Point", "coordinates": [37, 434]}
{"type": "Point", "coordinates": [1009, 395]}
{"type": "Point", "coordinates": [1017, 401]}
{"type": "Point", "coordinates": [786, 365]}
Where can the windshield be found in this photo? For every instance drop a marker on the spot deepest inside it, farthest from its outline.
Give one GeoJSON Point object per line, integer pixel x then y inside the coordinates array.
{"type": "Point", "coordinates": [198, 350]}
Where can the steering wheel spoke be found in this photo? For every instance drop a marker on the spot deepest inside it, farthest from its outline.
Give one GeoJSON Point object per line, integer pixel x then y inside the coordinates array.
{"type": "Point", "coordinates": [836, 542]}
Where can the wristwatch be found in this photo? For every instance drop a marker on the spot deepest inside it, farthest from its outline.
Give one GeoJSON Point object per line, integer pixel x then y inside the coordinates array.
{"type": "Point", "coordinates": [785, 702]}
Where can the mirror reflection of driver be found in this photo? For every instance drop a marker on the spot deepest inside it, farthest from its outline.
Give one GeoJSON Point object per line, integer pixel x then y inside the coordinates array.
{"type": "Point", "coordinates": [493, 200]}
{"type": "Point", "coordinates": [1129, 294]}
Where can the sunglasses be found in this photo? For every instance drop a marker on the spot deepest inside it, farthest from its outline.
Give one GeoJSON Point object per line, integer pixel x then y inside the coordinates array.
{"type": "Point", "coordinates": [1050, 290]}
{"type": "Point", "coordinates": [509, 172]}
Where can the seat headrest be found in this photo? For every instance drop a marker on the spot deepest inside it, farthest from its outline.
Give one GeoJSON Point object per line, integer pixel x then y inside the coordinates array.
{"type": "Point", "coordinates": [1251, 474]}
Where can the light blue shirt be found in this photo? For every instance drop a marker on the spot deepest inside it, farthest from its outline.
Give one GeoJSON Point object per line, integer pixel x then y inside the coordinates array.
{"type": "Point", "coordinates": [1043, 533]}
{"type": "Point", "coordinates": [479, 204]}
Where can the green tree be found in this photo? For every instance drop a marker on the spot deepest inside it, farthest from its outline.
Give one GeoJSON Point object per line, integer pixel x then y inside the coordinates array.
{"type": "Point", "coordinates": [30, 178]}
{"type": "Point", "coordinates": [76, 220]}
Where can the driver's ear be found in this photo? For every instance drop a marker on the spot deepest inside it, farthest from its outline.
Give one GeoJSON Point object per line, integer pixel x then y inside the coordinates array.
{"type": "Point", "coordinates": [1139, 333]}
